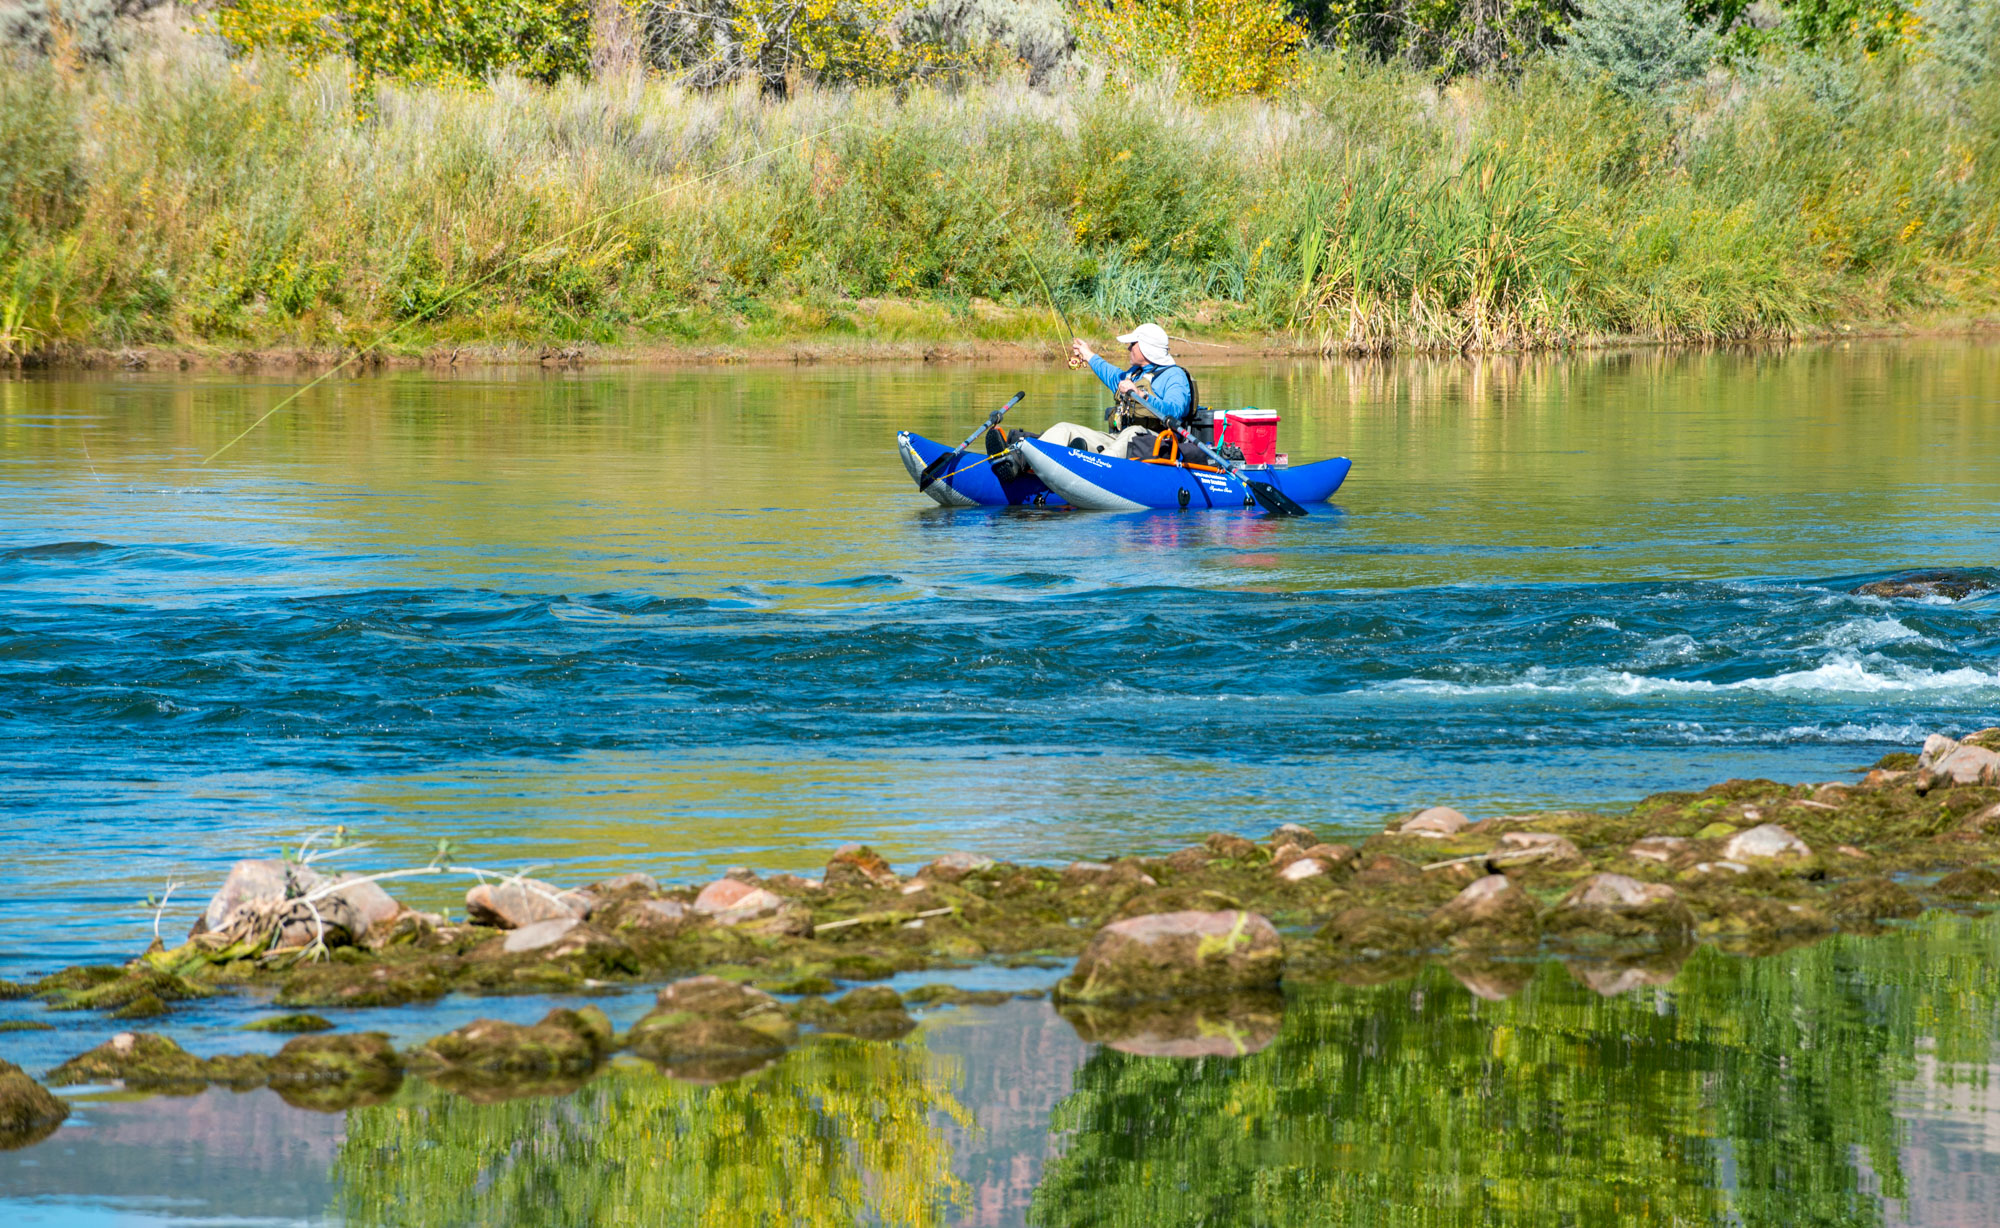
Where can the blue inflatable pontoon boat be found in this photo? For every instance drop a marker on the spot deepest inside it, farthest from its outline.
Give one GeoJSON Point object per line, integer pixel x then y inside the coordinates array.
{"type": "Point", "coordinates": [1070, 477]}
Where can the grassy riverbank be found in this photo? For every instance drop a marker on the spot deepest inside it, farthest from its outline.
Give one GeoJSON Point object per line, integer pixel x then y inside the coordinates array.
{"type": "Point", "coordinates": [179, 199]}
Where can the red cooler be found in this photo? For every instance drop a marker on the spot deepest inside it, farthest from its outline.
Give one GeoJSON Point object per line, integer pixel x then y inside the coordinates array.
{"type": "Point", "coordinates": [1256, 432]}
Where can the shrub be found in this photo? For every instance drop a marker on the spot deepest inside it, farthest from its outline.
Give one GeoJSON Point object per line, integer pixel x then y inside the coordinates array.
{"type": "Point", "coordinates": [1450, 37]}
{"type": "Point", "coordinates": [831, 42]}
{"type": "Point", "coordinates": [1221, 48]}
{"type": "Point", "coordinates": [1037, 33]}
{"type": "Point", "coordinates": [88, 30]}
{"type": "Point", "coordinates": [445, 42]}
{"type": "Point", "coordinates": [1637, 47]}
{"type": "Point", "coordinates": [41, 162]}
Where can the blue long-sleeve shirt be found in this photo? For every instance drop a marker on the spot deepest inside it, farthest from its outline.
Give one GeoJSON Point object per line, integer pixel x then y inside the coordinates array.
{"type": "Point", "coordinates": [1171, 389]}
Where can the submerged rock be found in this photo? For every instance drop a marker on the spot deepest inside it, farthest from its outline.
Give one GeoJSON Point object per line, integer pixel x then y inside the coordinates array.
{"type": "Point", "coordinates": [1947, 583]}
{"type": "Point", "coordinates": [1492, 911]}
{"type": "Point", "coordinates": [708, 1028]}
{"type": "Point", "coordinates": [519, 902]}
{"type": "Point", "coordinates": [1616, 906]}
{"type": "Point", "coordinates": [1767, 842]}
{"type": "Point", "coordinates": [1436, 823]}
{"type": "Point", "coordinates": [29, 1112]}
{"type": "Point", "coordinates": [1970, 883]}
{"type": "Point", "coordinates": [1224, 1026]}
{"type": "Point", "coordinates": [1177, 953]}
{"type": "Point", "coordinates": [1293, 833]}
{"type": "Point", "coordinates": [873, 1012]}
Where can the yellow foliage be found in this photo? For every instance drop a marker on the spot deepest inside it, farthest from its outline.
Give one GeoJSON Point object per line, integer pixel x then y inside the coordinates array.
{"type": "Point", "coordinates": [1223, 48]}
{"type": "Point", "coordinates": [429, 42]}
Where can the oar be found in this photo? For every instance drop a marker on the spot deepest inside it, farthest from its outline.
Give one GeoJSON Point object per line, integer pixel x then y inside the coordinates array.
{"type": "Point", "coordinates": [1268, 497]}
{"type": "Point", "coordinates": [943, 464]}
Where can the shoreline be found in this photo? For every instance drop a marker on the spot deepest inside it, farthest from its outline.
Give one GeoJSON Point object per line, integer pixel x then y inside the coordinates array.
{"type": "Point", "coordinates": [813, 349]}
{"type": "Point", "coordinates": [1162, 952]}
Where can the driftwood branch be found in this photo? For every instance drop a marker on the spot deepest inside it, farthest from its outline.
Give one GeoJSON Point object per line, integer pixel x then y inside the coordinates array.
{"type": "Point", "coordinates": [881, 918]}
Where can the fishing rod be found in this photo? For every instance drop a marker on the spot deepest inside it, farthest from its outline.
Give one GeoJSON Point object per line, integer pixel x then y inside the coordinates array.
{"type": "Point", "coordinates": [515, 263]}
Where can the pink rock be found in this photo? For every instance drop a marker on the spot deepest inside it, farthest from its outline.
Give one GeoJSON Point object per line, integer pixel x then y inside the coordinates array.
{"type": "Point", "coordinates": [540, 934]}
{"type": "Point", "coordinates": [1547, 848]}
{"type": "Point", "coordinates": [258, 882]}
{"type": "Point", "coordinates": [730, 901]}
{"type": "Point", "coordinates": [1662, 849]}
{"type": "Point", "coordinates": [1769, 842]}
{"type": "Point", "coordinates": [1437, 823]}
{"type": "Point", "coordinates": [517, 902]}
{"type": "Point", "coordinates": [1301, 869]}
{"type": "Point", "coordinates": [1167, 954]}
{"type": "Point", "coordinates": [952, 867]}
{"type": "Point", "coordinates": [1105, 874]}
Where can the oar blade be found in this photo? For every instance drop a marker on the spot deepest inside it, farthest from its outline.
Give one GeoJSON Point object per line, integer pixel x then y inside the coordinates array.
{"type": "Point", "coordinates": [1273, 500]}
{"type": "Point", "coordinates": [936, 469]}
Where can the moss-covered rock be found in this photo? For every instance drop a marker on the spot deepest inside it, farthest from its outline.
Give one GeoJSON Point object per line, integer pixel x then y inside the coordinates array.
{"type": "Point", "coordinates": [1872, 899]}
{"type": "Point", "coordinates": [873, 1012]}
{"type": "Point", "coordinates": [1490, 912]}
{"type": "Point", "coordinates": [29, 1112]}
{"type": "Point", "coordinates": [116, 988]}
{"type": "Point", "coordinates": [385, 983]}
{"type": "Point", "coordinates": [139, 1059]}
{"type": "Point", "coordinates": [706, 1028]}
{"type": "Point", "coordinates": [1974, 882]}
{"type": "Point", "coordinates": [1368, 932]}
{"type": "Point", "coordinates": [336, 1072]}
{"type": "Point", "coordinates": [493, 1055]}
{"type": "Point", "coordinates": [297, 1022]}
{"type": "Point", "coordinates": [1173, 954]}
{"type": "Point", "coordinates": [1615, 906]}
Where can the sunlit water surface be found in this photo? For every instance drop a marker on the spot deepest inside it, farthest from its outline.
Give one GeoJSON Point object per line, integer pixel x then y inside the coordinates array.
{"type": "Point", "coordinates": [681, 620]}
{"type": "Point", "coordinates": [676, 621]}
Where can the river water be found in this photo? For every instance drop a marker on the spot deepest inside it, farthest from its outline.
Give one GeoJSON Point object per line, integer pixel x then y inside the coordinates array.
{"type": "Point", "coordinates": [679, 620]}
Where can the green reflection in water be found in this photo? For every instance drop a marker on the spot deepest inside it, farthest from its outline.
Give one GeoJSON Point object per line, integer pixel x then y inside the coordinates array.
{"type": "Point", "coordinates": [1752, 1091]}
{"type": "Point", "coordinates": [836, 1132]}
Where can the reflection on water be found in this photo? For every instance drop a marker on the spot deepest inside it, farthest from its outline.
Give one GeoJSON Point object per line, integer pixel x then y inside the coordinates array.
{"type": "Point", "coordinates": [1844, 1083]}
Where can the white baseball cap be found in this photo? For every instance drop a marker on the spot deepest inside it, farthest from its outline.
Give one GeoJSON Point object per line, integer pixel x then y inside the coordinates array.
{"type": "Point", "coordinates": [1152, 341]}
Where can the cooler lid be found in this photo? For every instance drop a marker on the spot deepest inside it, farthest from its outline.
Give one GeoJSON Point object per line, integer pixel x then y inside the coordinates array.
{"type": "Point", "coordinates": [1253, 415]}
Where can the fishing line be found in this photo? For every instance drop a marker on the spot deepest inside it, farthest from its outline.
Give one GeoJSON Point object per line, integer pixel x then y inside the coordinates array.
{"type": "Point", "coordinates": [523, 258]}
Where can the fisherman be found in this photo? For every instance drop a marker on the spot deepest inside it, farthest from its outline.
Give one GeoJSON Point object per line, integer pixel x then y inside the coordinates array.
{"type": "Point", "coordinates": [1154, 394]}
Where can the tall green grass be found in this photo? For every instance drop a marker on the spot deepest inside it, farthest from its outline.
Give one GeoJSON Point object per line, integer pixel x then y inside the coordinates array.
{"type": "Point", "coordinates": [177, 198]}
